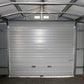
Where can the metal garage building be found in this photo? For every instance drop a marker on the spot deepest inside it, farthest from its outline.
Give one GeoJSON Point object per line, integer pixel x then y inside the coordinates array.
{"type": "Point", "coordinates": [41, 38]}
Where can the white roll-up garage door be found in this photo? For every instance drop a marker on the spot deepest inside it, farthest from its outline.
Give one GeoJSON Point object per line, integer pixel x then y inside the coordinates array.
{"type": "Point", "coordinates": [41, 48]}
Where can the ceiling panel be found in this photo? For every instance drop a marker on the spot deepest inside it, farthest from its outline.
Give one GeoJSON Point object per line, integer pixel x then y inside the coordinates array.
{"type": "Point", "coordinates": [70, 16]}
{"type": "Point", "coordinates": [4, 1]}
{"type": "Point", "coordinates": [17, 16]}
{"type": "Point", "coordinates": [54, 8]}
{"type": "Point", "coordinates": [80, 1]}
{"type": "Point", "coordinates": [29, 7]}
{"type": "Point", "coordinates": [7, 9]}
{"type": "Point", "coordinates": [76, 10]}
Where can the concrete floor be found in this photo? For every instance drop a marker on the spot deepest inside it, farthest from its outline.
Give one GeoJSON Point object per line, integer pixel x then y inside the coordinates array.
{"type": "Point", "coordinates": [75, 80]}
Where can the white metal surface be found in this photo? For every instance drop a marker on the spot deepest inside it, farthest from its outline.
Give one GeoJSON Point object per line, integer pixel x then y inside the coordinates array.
{"type": "Point", "coordinates": [41, 48]}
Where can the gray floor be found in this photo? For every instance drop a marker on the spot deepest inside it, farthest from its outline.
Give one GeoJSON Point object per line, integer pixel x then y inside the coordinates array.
{"type": "Point", "coordinates": [75, 80]}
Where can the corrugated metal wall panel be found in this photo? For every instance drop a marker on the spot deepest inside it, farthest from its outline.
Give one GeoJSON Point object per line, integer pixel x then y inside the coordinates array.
{"type": "Point", "coordinates": [41, 48]}
{"type": "Point", "coordinates": [3, 49]}
{"type": "Point", "coordinates": [80, 45]}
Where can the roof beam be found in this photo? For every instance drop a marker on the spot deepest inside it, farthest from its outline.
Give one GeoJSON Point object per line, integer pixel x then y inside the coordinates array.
{"type": "Point", "coordinates": [25, 12]}
{"type": "Point", "coordinates": [42, 9]}
{"type": "Point", "coordinates": [43, 5]}
{"type": "Point", "coordinates": [67, 7]}
{"type": "Point", "coordinates": [39, 3]}
{"type": "Point", "coordinates": [17, 7]}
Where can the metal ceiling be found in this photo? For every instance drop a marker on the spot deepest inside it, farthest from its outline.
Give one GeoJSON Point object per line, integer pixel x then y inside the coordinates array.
{"type": "Point", "coordinates": [56, 9]}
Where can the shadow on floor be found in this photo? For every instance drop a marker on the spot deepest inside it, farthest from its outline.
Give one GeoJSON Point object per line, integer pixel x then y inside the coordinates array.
{"type": "Point", "coordinates": [74, 80]}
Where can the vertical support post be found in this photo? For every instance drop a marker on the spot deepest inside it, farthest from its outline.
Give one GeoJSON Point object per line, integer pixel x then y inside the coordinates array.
{"type": "Point", "coordinates": [83, 59]}
{"type": "Point", "coordinates": [8, 47]}
{"type": "Point", "coordinates": [41, 12]}
{"type": "Point", "coordinates": [75, 48]}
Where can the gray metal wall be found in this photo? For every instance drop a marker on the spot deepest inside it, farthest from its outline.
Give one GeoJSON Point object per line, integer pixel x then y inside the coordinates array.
{"type": "Point", "coordinates": [41, 48]}
{"type": "Point", "coordinates": [80, 50]}
{"type": "Point", "coordinates": [3, 50]}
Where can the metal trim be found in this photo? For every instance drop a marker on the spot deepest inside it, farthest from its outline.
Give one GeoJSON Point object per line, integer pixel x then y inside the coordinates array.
{"type": "Point", "coordinates": [75, 48]}
{"type": "Point", "coordinates": [8, 48]}
{"type": "Point", "coordinates": [43, 76]}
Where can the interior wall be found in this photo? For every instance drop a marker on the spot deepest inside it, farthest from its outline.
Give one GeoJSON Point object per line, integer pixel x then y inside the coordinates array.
{"type": "Point", "coordinates": [4, 52]}
{"type": "Point", "coordinates": [80, 48]}
{"type": "Point", "coordinates": [3, 49]}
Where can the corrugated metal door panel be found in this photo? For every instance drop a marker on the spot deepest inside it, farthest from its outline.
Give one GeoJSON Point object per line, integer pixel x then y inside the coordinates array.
{"type": "Point", "coordinates": [41, 48]}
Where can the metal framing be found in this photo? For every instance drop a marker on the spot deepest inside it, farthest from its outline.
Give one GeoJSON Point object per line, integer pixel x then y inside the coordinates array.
{"type": "Point", "coordinates": [42, 9]}
{"type": "Point", "coordinates": [39, 13]}
{"type": "Point", "coordinates": [17, 7]}
{"type": "Point", "coordinates": [39, 3]}
{"type": "Point", "coordinates": [67, 7]}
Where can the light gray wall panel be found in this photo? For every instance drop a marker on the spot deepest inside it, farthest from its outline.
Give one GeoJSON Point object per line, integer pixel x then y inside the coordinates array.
{"type": "Point", "coordinates": [80, 45]}
{"type": "Point", "coordinates": [3, 71]}
{"type": "Point", "coordinates": [3, 49]}
{"type": "Point", "coordinates": [41, 48]}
